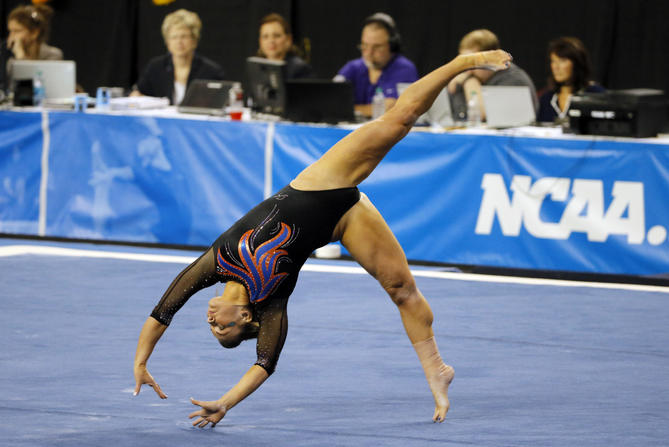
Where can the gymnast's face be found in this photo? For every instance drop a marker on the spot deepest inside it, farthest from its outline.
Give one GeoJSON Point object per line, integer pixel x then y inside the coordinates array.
{"type": "Point", "coordinates": [227, 320]}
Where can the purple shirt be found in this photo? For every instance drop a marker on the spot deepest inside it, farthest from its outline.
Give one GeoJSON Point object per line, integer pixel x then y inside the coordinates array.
{"type": "Point", "coordinates": [399, 69]}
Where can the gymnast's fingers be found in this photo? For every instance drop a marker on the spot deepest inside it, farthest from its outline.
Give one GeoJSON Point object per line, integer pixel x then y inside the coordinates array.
{"type": "Point", "coordinates": [195, 414]}
{"type": "Point", "coordinates": [197, 421]}
{"type": "Point", "coordinates": [158, 390]}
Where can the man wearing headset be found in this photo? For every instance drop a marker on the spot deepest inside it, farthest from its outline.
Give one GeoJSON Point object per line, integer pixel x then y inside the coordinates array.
{"type": "Point", "coordinates": [381, 64]}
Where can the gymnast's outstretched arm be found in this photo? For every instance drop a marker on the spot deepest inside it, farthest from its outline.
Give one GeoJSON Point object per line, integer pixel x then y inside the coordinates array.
{"type": "Point", "coordinates": [148, 337]}
{"type": "Point", "coordinates": [195, 277]}
{"type": "Point", "coordinates": [354, 157]}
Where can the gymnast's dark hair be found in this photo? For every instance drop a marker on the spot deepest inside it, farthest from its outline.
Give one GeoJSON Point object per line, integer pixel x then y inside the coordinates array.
{"type": "Point", "coordinates": [573, 49]}
{"type": "Point", "coordinates": [248, 331]}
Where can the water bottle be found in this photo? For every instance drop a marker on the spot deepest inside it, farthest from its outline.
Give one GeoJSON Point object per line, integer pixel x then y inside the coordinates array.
{"type": "Point", "coordinates": [236, 102]}
{"type": "Point", "coordinates": [473, 111]}
{"type": "Point", "coordinates": [103, 98]}
{"type": "Point", "coordinates": [38, 90]}
{"type": "Point", "coordinates": [378, 103]}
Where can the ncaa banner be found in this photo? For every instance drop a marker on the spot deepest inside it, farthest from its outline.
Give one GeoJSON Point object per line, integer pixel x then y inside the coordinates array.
{"type": "Point", "coordinates": [569, 204]}
{"type": "Point", "coordinates": [573, 204]}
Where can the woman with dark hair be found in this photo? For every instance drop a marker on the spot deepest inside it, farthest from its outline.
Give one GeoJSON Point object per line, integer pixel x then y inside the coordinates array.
{"type": "Point", "coordinates": [571, 73]}
{"type": "Point", "coordinates": [260, 256]}
{"type": "Point", "coordinates": [29, 27]}
{"type": "Point", "coordinates": [275, 42]}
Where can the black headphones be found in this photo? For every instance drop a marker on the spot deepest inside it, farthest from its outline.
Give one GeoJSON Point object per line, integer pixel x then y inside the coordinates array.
{"type": "Point", "coordinates": [388, 23]}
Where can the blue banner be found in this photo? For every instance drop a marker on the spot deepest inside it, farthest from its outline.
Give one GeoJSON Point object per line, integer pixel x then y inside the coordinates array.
{"type": "Point", "coordinates": [586, 205]}
{"type": "Point", "coordinates": [572, 204]}
{"type": "Point", "coordinates": [20, 172]}
{"type": "Point", "coordinates": [149, 179]}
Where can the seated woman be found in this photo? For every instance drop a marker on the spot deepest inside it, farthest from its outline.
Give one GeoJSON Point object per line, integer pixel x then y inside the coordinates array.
{"type": "Point", "coordinates": [571, 73]}
{"type": "Point", "coordinates": [28, 27]}
{"type": "Point", "coordinates": [169, 75]}
{"type": "Point", "coordinates": [275, 42]}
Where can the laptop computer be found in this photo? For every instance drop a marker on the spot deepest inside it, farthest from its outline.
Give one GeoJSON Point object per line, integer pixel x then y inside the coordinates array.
{"type": "Point", "coordinates": [205, 97]}
{"type": "Point", "coordinates": [439, 114]}
{"type": "Point", "coordinates": [59, 77]}
{"type": "Point", "coordinates": [319, 101]}
{"type": "Point", "coordinates": [508, 106]}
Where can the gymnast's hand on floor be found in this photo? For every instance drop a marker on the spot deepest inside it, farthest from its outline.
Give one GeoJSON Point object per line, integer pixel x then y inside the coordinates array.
{"type": "Point", "coordinates": [210, 412]}
{"type": "Point", "coordinates": [142, 376]}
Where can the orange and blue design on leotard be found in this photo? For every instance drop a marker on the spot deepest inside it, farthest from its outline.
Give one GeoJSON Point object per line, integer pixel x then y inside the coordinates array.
{"type": "Point", "coordinates": [257, 269]}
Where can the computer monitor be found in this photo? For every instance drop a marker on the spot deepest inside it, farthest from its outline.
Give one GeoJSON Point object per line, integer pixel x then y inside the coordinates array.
{"type": "Point", "coordinates": [265, 85]}
{"type": "Point", "coordinates": [59, 77]}
{"type": "Point", "coordinates": [319, 101]}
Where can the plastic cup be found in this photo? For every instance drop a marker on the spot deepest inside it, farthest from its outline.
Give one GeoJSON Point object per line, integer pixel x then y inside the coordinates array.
{"type": "Point", "coordinates": [102, 98]}
{"type": "Point", "coordinates": [80, 102]}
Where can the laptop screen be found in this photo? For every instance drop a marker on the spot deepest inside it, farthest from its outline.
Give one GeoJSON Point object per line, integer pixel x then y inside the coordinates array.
{"type": "Point", "coordinates": [508, 106]}
{"type": "Point", "coordinates": [439, 113]}
{"type": "Point", "coordinates": [59, 77]}
{"type": "Point", "coordinates": [206, 96]}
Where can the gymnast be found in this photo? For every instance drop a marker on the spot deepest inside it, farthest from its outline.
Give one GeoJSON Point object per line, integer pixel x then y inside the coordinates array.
{"type": "Point", "coordinates": [260, 256]}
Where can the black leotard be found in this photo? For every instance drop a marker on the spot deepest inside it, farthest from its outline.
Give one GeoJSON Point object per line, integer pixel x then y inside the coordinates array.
{"type": "Point", "coordinates": [264, 251]}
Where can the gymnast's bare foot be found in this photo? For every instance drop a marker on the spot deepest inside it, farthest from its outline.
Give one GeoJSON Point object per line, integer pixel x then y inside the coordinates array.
{"type": "Point", "coordinates": [439, 385]}
{"type": "Point", "coordinates": [491, 60]}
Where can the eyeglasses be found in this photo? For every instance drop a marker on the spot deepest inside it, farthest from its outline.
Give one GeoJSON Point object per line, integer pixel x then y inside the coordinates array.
{"type": "Point", "coordinates": [372, 48]}
{"type": "Point", "coordinates": [175, 37]}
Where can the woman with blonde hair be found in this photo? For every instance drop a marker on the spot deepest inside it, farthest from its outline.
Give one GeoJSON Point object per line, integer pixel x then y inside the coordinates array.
{"type": "Point", "coordinates": [170, 74]}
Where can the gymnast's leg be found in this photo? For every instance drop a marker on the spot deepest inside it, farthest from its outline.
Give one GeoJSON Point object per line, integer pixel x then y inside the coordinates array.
{"type": "Point", "coordinates": [367, 237]}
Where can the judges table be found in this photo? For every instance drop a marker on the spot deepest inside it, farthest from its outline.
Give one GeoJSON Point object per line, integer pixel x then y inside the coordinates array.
{"type": "Point", "coordinates": [522, 198]}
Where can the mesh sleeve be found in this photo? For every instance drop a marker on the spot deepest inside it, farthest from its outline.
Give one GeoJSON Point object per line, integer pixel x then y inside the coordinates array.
{"type": "Point", "coordinates": [273, 320]}
{"type": "Point", "coordinates": [198, 275]}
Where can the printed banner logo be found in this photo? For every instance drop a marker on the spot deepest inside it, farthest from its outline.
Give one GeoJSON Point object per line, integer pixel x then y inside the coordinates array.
{"type": "Point", "coordinates": [584, 211]}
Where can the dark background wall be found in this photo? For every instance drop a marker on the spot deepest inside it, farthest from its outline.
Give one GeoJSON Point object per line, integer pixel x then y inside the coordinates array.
{"type": "Point", "coordinates": [111, 40]}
